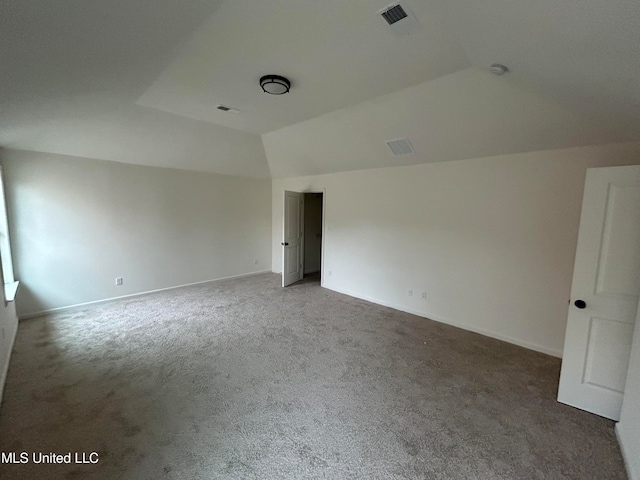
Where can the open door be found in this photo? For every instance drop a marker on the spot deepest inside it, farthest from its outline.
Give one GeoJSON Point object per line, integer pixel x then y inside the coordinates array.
{"type": "Point", "coordinates": [292, 238]}
{"type": "Point", "coordinates": [604, 294]}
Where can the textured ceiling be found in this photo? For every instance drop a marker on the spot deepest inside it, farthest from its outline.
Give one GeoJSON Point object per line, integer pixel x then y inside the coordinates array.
{"type": "Point", "coordinates": [138, 80]}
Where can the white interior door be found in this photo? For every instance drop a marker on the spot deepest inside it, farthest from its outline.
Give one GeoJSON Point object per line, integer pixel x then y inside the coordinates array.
{"type": "Point", "coordinates": [292, 238]}
{"type": "Point", "coordinates": [604, 294]}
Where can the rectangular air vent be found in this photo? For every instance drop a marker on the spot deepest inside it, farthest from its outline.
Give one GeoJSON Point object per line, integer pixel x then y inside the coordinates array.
{"type": "Point", "coordinates": [400, 147]}
{"type": "Point", "coordinates": [224, 108]}
{"type": "Point", "coordinates": [400, 20]}
{"type": "Point", "coordinates": [394, 14]}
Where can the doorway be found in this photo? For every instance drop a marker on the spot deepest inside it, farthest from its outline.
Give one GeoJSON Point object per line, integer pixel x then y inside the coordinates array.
{"type": "Point", "coordinates": [303, 225]}
{"type": "Point", "coordinates": [312, 262]}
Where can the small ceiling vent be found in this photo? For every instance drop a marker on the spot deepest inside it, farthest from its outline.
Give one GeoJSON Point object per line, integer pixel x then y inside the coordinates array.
{"type": "Point", "coordinates": [400, 147]}
{"type": "Point", "coordinates": [399, 19]}
{"type": "Point", "coordinates": [394, 14]}
{"type": "Point", "coordinates": [224, 108]}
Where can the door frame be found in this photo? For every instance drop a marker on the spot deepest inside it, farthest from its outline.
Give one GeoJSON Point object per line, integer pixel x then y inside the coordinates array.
{"type": "Point", "coordinates": [323, 191]}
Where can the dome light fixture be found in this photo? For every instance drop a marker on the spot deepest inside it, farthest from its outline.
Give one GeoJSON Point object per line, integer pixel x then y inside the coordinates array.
{"type": "Point", "coordinates": [275, 84]}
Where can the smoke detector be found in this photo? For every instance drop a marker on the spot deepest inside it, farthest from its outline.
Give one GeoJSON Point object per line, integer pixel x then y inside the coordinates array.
{"type": "Point", "coordinates": [399, 19]}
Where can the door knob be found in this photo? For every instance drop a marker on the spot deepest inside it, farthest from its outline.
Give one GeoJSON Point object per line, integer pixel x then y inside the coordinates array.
{"type": "Point", "coordinates": [285, 243]}
{"type": "Point", "coordinates": [580, 303]}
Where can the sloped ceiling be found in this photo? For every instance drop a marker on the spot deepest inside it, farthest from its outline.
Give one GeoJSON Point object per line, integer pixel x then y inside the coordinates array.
{"type": "Point", "coordinates": [138, 81]}
{"type": "Point", "coordinates": [468, 114]}
{"type": "Point", "coordinates": [336, 53]}
{"type": "Point", "coordinates": [72, 70]}
{"type": "Point", "coordinates": [585, 55]}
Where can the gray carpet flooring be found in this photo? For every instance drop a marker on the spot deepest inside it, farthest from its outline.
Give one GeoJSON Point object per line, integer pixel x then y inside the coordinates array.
{"type": "Point", "coordinates": [241, 379]}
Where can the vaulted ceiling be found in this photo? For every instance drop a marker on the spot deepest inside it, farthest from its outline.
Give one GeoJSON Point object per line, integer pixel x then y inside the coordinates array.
{"type": "Point", "coordinates": [139, 80]}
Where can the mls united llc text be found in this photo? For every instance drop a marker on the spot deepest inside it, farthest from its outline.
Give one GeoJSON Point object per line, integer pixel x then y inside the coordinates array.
{"type": "Point", "coordinates": [39, 457]}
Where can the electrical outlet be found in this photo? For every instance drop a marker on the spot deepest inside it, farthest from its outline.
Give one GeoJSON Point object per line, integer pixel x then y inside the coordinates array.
{"type": "Point", "coordinates": [411, 292]}
{"type": "Point", "coordinates": [118, 281]}
{"type": "Point", "coordinates": [424, 295]}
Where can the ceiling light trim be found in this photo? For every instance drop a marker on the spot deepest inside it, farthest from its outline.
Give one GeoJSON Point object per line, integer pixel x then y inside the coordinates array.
{"type": "Point", "coordinates": [275, 84]}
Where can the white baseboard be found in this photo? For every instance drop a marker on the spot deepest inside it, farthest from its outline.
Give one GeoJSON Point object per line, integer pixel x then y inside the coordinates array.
{"type": "Point", "coordinates": [631, 461]}
{"type": "Point", "coordinates": [464, 326]}
{"type": "Point", "coordinates": [113, 299]}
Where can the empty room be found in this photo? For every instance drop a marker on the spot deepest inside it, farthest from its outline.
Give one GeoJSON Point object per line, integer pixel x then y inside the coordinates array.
{"type": "Point", "coordinates": [300, 239]}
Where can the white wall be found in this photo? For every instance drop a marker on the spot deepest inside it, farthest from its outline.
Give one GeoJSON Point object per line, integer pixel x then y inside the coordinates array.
{"type": "Point", "coordinates": [628, 429]}
{"type": "Point", "coordinates": [491, 241]}
{"type": "Point", "coordinates": [468, 114]}
{"type": "Point", "coordinates": [76, 224]}
{"type": "Point", "coordinates": [8, 330]}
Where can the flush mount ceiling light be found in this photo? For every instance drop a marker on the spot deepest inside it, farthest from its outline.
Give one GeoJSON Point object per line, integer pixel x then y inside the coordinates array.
{"type": "Point", "coordinates": [275, 84]}
{"type": "Point", "coordinates": [498, 69]}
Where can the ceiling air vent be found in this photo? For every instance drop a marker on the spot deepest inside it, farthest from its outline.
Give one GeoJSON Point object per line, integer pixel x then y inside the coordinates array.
{"type": "Point", "coordinates": [224, 108]}
{"type": "Point", "coordinates": [393, 14]}
{"type": "Point", "coordinates": [400, 147]}
{"type": "Point", "coordinates": [399, 19]}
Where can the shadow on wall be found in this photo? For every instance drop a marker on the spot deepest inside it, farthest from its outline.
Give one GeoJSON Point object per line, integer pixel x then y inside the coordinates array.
{"type": "Point", "coordinates": [27, 296]}
{"type": "Point", "coordinates": [78, 224]}
{"type": "Point", "coordinates": [37, 256]}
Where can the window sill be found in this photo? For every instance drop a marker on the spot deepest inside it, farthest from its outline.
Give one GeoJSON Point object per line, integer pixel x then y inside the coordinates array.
{"type": "Point", "coordinates": [10, 290]}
